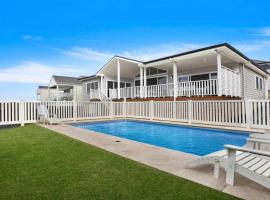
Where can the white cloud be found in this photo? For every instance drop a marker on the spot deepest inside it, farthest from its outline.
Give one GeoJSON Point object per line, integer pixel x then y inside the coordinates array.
{"type": "Point", "coordinates": [162, 50]}
{"type": "Point", "coordinates": [143, 54]}
{"type": "Point", "coordinates": [88, 54]}
{"type": "Point", "coordinates": [34, 72]}
{"type": "Point", "coordinates": [265, 31]}
{"type": "Point", "coordinates": [258, 49]}
{"type": "Point", "coordinates": [31, 38]}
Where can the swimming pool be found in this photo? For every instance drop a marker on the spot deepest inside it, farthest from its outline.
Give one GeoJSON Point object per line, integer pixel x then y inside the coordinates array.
{"type": "Point", "coordinates": [198, 141]}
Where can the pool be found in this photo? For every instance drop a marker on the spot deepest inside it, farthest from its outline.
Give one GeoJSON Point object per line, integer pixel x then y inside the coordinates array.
{"type": "Point", "coordinates": [198, 141]}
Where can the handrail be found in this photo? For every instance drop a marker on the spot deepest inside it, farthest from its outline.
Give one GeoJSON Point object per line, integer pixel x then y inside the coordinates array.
{"type": "Point", "coordinates": [243, 149]}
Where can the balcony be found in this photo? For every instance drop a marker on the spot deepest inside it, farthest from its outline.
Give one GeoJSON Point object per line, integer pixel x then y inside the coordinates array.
{"type": "Point", "coordinates": [228, 85]}
{"type": "Point", "coordinates": [184, 89]}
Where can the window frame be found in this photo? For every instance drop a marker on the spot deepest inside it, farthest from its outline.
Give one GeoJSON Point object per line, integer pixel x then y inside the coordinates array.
{"type": "Point", "coordinates": [258, 86]}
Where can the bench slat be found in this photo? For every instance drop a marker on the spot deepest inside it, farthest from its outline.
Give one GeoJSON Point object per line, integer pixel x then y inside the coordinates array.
{"type": "Point", "coordinates": [246, 159]}
{"type": "Point", "coordinates": [263, 168]}
{"type": "Point", "coordinates": [252, 162]}
{"type": "Point", "coordinates": [258, 165]}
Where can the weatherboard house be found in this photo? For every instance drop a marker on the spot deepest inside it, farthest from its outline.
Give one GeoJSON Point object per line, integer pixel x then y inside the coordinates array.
{"type": "Point", "coordinates": [214, 72]}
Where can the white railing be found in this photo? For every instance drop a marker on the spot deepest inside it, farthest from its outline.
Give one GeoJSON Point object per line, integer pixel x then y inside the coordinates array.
{"type": "Point", "coordinates": [163, 90]}
{"type": "Point", "coordinates": [94, 94]}
{"type": "Point", "coordinates": [260, 112]}
{"type": "Point", "coordinates": [230, 82]}
{"type": "Point", "coordinates": [61, 96]}
{"type": "Point", "coordinates": [219, 112]}
{"type": "Point", "coordinates": [249, 113]}
{"type": "Point", "coordinates": [129, 92]}
{"type": "Point", "coordinates": [185, 89]}
{"type": "Point", "coordinates": [91, 110]}
{"type": "Point", "coordinates": [198, 88]}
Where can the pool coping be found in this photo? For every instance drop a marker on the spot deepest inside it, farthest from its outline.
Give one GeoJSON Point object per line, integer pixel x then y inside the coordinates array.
{"type": "Point", "coordinates": [198, 125]}
{"type": "Point", "coordinates": [170, 161]}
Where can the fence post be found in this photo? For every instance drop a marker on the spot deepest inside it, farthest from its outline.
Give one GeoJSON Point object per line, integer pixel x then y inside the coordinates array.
{"type": "Point", "coordinates": [151, 110]}
{"type": "Point", "coordinates": [248, 112]}
{"type": "Point", "coordinates": [190, 111]}
{"type": "Point", "coordinates": [21, 112]}
{"type": "Point", "coordinates": [75, 111]}
{"type": "Point", "coordinates": [174, 109]}
{"type": "Point", "coordinates": [125, 108]}
{"type": "Point", "coordinates": [111, 109]}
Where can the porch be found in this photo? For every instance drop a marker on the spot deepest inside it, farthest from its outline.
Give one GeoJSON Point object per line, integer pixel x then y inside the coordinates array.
{"type": "Point", "coordinates": [60, 93]}
{"type": "Point", "coordinates": [230, 87]}
{"type": "Point", "coordinates": [211, 72]}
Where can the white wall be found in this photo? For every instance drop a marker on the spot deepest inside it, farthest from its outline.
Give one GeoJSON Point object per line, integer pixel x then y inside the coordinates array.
{"type": "Point", "coordinates": [249, 85]}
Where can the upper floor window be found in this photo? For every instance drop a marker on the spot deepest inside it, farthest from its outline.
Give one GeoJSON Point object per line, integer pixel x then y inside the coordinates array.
{"type": "Point", "coordinates": [197, 77]}
{"type": "Point", "coordinates": [259, 83]}
{"type": "Point", "coordinates": [153, 71]}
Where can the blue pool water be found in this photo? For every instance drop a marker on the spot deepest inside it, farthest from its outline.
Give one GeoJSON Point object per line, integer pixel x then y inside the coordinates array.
{"type": "Point", "coordinates": [198, 141]}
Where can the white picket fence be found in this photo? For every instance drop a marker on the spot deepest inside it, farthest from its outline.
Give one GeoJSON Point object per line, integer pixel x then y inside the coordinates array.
{"type": "Point", "coordinates": [250, 113]}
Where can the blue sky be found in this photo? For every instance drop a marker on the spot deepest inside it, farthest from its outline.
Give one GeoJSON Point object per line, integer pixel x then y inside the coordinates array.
{"type": "Point", "coordinates": [67, 37]}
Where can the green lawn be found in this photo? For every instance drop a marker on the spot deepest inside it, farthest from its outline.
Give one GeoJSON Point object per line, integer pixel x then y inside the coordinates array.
{"type": "Point", "coordinates": [36, 163]}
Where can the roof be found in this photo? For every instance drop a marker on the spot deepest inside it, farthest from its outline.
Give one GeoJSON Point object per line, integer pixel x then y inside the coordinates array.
{"type": "Point", "coordinates": [42, 87]}
{"type": "Point", "coordinates": [207, 48]}
{"type": "Point", "coordinates": [66, 80]}
{"type": "Point", "coordinates": [195, 51]}
{"type": "Point", "coordinates": [264, 65]}
{"type": "Point", "coordinates": [84, 78]}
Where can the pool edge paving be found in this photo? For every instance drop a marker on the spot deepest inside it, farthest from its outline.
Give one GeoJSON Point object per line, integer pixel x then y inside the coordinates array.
{"type": "Point", "coordinates": [167, 160]}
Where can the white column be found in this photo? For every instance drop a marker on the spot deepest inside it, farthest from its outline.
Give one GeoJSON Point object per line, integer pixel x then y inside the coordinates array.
{"type": "Point", "coordinates": [266, 87]}
{"type": "Point", "coordinates": [175, 82]}
{"type": "Point", "coordinates": [144, 82]}
{"type": "Point", "coordinates": [101, 83]}
{"type": "Point", "coordinates": [141, 82]}
{"type": "Point", "coordinates": [49, 94]}
{"type": "Point", "coordinates": [118, 79]}
{"type": "Point", "coordinates": [219, 74]}
{"type": "Point", "coordinates": [57, 93]}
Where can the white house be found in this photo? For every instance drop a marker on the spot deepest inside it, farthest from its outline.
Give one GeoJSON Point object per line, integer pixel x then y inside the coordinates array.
{"type": "Point", "coordinates": [216, 71]}
{"type": "Point", "coordinates": [61, 88]}
{"type": "Point", "coordinates": [265, 65]}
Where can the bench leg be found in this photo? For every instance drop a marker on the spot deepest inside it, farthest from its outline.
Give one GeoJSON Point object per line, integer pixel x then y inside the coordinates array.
{"type": "Point", "coordinates": [230, 169]}
{"type": "Point", "coordinates": [217, 168]}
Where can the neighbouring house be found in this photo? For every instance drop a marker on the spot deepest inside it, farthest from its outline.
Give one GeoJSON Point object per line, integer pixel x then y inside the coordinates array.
{"type": "Point", "coordinates": [265, 65]}
{"type": "Point", "coordinates": [214, 72]}
{"type": "Point", "coordinates": [42, 93]}
{"type": "Point", "coordinates": [61, 88]}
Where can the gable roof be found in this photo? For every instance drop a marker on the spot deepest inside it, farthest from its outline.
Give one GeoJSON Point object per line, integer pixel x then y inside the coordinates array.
{"type": "Point", "coordinates": [261, 65]}
{"type": "Point", "coordinates": [207, 48]}
{"type": "Point", "coordinates": [42, 87]}
{"type": "Point", "coordinates": [66, 80]}
{"type": "Point", "coordinates": [264, 65]}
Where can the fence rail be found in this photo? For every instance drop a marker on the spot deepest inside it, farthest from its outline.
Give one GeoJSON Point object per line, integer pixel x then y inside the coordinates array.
{"type": "Point", "coordinates": [249, 113]}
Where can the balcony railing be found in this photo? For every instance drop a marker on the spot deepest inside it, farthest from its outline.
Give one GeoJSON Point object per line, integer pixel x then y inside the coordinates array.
{"type": "Point", "coordinates": [184, 89]}
{"type": "Point", "coordinates": [61, 96]}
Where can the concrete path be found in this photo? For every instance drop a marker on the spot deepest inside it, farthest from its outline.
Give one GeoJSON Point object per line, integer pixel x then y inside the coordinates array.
{"type": "Point", "coordinates": [167, 160]}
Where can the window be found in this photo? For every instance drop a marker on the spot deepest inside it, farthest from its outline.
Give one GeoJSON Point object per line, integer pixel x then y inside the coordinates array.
{"type": "Point", "coordinates": [213, 76]}
{"type": "Point", "coordinates": [151, 81]}
{"type": "Point", "coordinates": [199, 77]}
{"type": "Point", "coordinates": [162, 80]}
{"type": "Point", "coordinates": [259, 83]}
{"type": "Point", "coordinates": [91, 86]}
{"type": "Point", "coordinates": [137, 83]}
{"type": "Point", "coordinates": [152, 71]}
{"type": "Point", "coordinates": [122, 84]}
{"type": "Point", "coordinates": [183, 79]}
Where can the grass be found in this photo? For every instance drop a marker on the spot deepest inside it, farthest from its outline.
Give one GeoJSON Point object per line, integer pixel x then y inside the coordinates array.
{"type": "Point", "coordinates": [36, 163]}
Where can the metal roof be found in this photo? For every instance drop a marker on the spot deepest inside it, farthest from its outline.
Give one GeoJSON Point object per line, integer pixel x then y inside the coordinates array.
{"type": "Point", "coordinates": [66, 80]}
